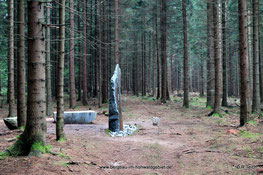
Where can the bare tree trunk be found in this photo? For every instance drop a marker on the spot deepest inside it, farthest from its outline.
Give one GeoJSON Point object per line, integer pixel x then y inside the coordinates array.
{"type": "Point", "coordinates": [104, 63]}
{"type": "Point", "coordinates": [163, 51]}
{"type": "Point", "coordinates": [72, 103]}
{"type": "Point", "coordinates": [116, 28]}
{"type": "Point", "coordinates": [216, 58]}
{"type": "Point", "coordinates": [11, 90]}
{"type": "Point", "coordinates": [60, 98]}
{"type": "Point", "coordinates": [48, 65]}
{"type": "Point", "coordinates": [210, 62]}
{"type": "Point", "coordinates": [186, 76]}
{"type": "Point", "coordinates": [21, 96]}
{"type": "Point", "coordinates": [243, 54]}
{"type": "Point", "coordinates": [84, 79]}
{"type": "Point", "coordinates": [33, 138]}
{"type": "Point", "coordinates": [100, 50]}
{"type": "Point", "coordinates": [157, 52]}
{"type": "Point", "coordinates": [79, 59]}
{"type": "Point", "coordinates": [225, 82]}
{"type": "Point", "coordinates": [256, 92]}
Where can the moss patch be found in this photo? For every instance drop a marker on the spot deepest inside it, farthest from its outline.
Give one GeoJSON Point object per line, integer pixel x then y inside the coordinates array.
{"type": "Point", "coordinates": [38, 146]}
{"type": "Point", "coordinates": [248, 135]}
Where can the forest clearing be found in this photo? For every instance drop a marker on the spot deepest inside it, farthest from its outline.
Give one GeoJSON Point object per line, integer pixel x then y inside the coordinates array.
{"type": "Point", "coordinates": [186, 139]}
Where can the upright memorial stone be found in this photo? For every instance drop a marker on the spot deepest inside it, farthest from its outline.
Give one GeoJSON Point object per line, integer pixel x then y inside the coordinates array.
{"type": "Point", "coordinates": [115, 116]}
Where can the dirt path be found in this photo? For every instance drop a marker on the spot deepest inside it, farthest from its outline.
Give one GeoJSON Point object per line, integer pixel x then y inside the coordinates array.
{"type": "Point", "coordinates": [185, 142]}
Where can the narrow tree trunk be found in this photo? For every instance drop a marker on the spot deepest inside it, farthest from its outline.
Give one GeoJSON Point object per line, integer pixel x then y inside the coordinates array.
{"type": "Point", "coordinates": [225, 82]}
{"type": "Point", "coordinates": [216, 58]}
{"type": "Point", "coordinates": [186, 76]}
{"type": "Point", "coordinates": [243, 55]}
{"type": "Point", "coordinates": [157, 52]}
{"type": "Point", "coordinates": [11, 90]}
{"type": "Point", "coordinates": [21, 96]}
{"type": "Point", "coordinates": [210, 62]}
{"type": "Point", "coordinates": [256, 92]}
{"type": "Point", "coordinates": [100, 50]}
{"type": "Point", "coordinates": [116, 28]}
{"type": "Point", "coordinates": [84, 79]}
{"type": "Point", "coordinates": [48, 65]}
{"type": "Point", "coordinates": [60, 98]}
{"type": "Point", "coordinates": [163, 51]}
{"type": "Point", "coordinates": [72, 103]}
{"type": "Point", "coordinates": [104, 63]}
{"type": "Point", "coordinates": [79, 59]}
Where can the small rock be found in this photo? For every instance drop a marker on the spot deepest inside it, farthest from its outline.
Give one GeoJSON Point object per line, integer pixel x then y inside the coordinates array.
{"type": "Point", "coordinates": [11, 122]}
{"type": "Point", "coordinates": [155, 121]}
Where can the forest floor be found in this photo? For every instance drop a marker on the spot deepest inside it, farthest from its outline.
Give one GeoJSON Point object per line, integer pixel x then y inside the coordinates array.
{"type": "Point", "coordinates": [186, 141]}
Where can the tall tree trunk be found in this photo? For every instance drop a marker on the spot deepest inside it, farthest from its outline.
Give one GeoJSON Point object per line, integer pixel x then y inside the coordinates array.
{"type": "Point", "coordinates": [216, 58]}
{"type": "Point", "coordinates": [104, 63]}
{"type": "Point", "coordinates": [100, 50]}
{"type": "Point", "coordinates": [79, 59]}
{"type": "Point", "coordinates": [210, 61]}
{"type": "Point", "coordinates": [48, 65]}
{"type": "Point", "coordinates": [256, 92]}
{"type": "Point", "coordinates": [11, 90]}
{"type": "Point", "coordinates": [21, 96]}
{"type": "Point", "coordinates": [72, 103]}
{"type": "Point", "coordinates": [84, 79]}
{"type": "Point", "coordinates": [116, 28]}
{"type": "Point", "coordinates": [163, 51]}
{"type": "Point", "coordinates": [157, 52]}
{"type": "Point", "coordinates": [33, 138]}
{"type": "Point", "coordinates": [186, 76]}
{"type": "Point", "coordinates": [60, 98]}
{"type": "Point", "coordinates": [225, 82]}
{"type": "Point", "coordinates": [243, 55]}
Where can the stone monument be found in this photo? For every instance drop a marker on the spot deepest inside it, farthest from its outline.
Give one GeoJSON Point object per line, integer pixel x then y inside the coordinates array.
{"type": "Point", "coordinates": [115, 116]}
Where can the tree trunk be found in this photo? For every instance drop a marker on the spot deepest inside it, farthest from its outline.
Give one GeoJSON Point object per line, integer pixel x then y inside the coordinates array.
{"type": "Point", "coordinates": [21, 96]}
{"type": "Point", "coordinates": [79, 59]}
{"type": "Point", "coordinates": [33, 138]}
{"type": "Point", "coordinates": [116, 28]}
{"type": "Point", "coordinates": [60, 98]}
{"type": "Point", "coordinates": [157, 52]}
{"type": "Point", "coordinates": [225, 82]}
{"type": "Point", "coordinates": [243, 55]}
{"type": "Point", "coordinates": [210, 62]}
{"type": "Point", "coordinates": [72, 103]}
{"type": "Point", "coordinates": [48, 65]}
{"type": "Point", "coordinates": [163, 51]}
{"type": "Point", "coordinates": [104, 63]}
{"type": "Point", "coordinates": [100, 50]}
{"type": "Point", "coordinates": [256, 92]}
{"type": "Point", "coordinates": [11, 90]}
{"type": "Point", "coordinates": [216, 58]}
{"type": "Point", "coordinates": [186, 76]}
{"type": "Point", "coordinates": [84, 79]}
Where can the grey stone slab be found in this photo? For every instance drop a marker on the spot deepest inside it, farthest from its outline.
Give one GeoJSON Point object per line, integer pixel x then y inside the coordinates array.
{"type": "Point", "coordinates": [77, 117]}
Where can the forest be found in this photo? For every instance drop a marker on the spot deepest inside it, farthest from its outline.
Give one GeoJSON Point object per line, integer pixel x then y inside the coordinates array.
{"type": "Point", "coordinates": [131, 87]}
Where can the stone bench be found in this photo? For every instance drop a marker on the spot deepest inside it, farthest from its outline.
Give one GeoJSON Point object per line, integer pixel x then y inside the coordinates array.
{"type": "Point", "coordinates": [77, 117]}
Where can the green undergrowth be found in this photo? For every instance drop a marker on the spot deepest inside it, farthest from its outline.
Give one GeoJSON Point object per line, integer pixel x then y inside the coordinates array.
{"type": "Point", "coordinates": [209, 107]}
{"type": "Point", "coordinates": [148, 98]}
{"type": "Point", "coordinates": [251, 122]}
{"type": "Point", "coordinates": [64, 156]}
{"type": "Point", "coordinates": [217, 115]}
{"type": "Point", "coordinates": [249, 135]}
{"type": "Point", "coordinates": [62, 140]}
